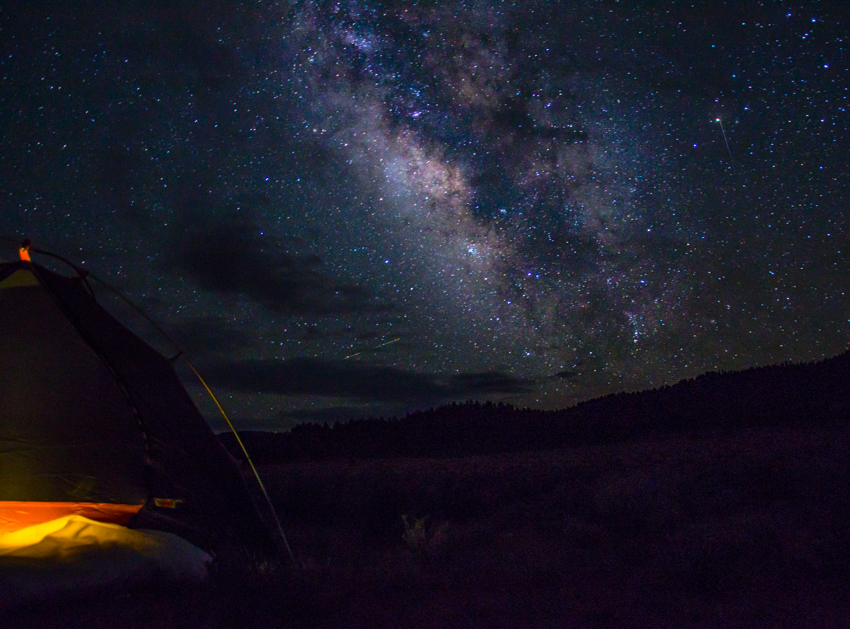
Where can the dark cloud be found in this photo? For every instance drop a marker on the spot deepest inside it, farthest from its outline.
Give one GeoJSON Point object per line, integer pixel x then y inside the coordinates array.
{"type": "Point", "coordinates": [328, 415]}
{"type": "Point", "coordinates": [307, 376]}
{"type": "Point", "coordinates": [231, 256]}
{"type": "Point", "coordinates": [209, 334]}
{"type": "Point", "coordinates": [486, 382]}
{"type": "Point", "coordinates": [567, 375]}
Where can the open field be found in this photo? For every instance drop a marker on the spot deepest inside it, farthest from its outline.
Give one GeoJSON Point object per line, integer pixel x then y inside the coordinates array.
{"type": "Point", "coordinates": [747, 529]}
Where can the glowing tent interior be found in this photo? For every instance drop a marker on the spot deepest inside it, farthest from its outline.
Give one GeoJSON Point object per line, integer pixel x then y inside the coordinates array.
{"type": "Point", "coordinates": [95, 426]}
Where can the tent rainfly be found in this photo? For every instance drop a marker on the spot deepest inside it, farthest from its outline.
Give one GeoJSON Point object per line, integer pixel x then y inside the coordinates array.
{"type": "Point", "coordinates": [95, 423]}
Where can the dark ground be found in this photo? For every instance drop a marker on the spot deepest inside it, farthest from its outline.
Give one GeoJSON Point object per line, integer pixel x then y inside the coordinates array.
{"type": "Point", "coordinates": [747, 529]}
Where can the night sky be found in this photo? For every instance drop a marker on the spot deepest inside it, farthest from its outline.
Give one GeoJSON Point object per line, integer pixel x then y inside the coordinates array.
{"type": "Point", "coordinates": [344, 209]}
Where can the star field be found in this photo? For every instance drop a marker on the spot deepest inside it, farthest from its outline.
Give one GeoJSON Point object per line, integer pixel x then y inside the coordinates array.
{"type": "Point", "coordinates": [351, 208]}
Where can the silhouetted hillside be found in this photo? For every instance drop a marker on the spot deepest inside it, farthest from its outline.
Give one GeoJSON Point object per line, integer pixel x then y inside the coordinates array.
{"type": "Point", "coordinates": [813, 394]}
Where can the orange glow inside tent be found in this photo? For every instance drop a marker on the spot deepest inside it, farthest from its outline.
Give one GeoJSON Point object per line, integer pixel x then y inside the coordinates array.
{"type": "Point", "coordinates": [62, 536]}
{"type": "Point", "coordinates": [16, 515]}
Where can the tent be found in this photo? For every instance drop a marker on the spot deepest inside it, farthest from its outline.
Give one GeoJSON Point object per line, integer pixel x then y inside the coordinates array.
{"type": "Point", "coordinates": [95, 426]}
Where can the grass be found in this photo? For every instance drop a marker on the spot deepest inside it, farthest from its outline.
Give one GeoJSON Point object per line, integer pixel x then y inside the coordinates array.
{"type": "Point", "coordinates": [746, 530]}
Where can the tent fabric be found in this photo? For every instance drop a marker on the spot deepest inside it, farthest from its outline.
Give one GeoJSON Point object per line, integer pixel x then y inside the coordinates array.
{"type": "Point", "coordinates": [89, 413]}
{"type": "Point", "coordinates": [74, 555]}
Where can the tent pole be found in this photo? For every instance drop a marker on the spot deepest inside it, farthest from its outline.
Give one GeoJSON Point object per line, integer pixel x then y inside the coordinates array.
{"type": "Point", "coordinates": [247, 456]}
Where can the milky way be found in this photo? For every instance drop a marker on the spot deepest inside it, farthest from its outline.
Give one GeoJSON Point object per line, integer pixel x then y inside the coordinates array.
{"type": "Point", "coordinates": [450, 200]}
{"type": "Point", "coordinates": [523, 206]}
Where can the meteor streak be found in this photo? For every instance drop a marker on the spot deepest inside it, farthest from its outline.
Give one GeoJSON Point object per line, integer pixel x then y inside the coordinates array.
{"type": "Point", "coordinates": [725, 140]}
{"type": "Point", "coordinates": [371, 348]}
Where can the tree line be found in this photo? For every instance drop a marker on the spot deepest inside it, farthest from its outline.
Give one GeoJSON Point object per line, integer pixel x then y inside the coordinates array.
{"type": "Point", "coordinates": [809, 394]}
